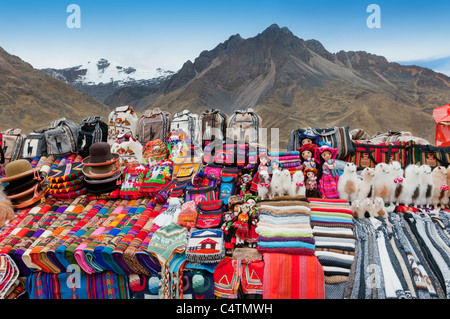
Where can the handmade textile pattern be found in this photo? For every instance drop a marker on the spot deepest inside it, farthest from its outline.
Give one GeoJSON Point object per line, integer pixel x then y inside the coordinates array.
{"type": "Point", "coordinates": [285, 227]}
{"type": "Point", "coordinates": [332, 224]}
{"type": "Point", "coordinates": [289, 276]}
{"type": "Point", "coordinates": [107, 285]}
{"type": "Point", "coordinates": [205, 246]}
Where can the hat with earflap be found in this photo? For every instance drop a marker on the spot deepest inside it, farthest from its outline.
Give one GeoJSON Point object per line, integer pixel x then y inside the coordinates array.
{"type": "Point", "coordinates": [307, 147]}
{"type": "Point", "coordinates": [322, 149]}
{"type": "Point", "coordinates": [308, 135]}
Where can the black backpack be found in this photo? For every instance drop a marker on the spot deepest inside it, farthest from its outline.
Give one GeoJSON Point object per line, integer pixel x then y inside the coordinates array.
{"type": "Point", "coordinates": [91, 130]}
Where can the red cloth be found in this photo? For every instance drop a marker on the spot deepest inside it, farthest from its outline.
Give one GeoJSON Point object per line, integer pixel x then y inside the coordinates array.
{"type": "Point", "coordinates": [292, 277]}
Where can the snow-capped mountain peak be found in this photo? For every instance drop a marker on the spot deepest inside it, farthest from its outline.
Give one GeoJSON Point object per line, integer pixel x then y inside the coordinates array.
{"type": "Point", "coordinates": [104, 71]}
{"type": "Point", "coordinates": [102, 77]}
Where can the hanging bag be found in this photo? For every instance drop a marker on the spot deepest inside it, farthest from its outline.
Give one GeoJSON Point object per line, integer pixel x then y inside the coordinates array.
{"type": "Point", "coordinates": [209, 214]}
{"type": "Point", "coordinates": [187, 122]}
{"type": "Point", "coordinates": [369, 155]}
{"type": "Point", "coordinates": [229, 177]}
{"type": "Point", "coordinates": [244, 126]}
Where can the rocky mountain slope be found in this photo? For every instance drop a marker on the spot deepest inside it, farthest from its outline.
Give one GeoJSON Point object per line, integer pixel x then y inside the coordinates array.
{"type": "Point", "coordinates": [31, 99]}
{"type": "Point", "coordinates": [294, 83]}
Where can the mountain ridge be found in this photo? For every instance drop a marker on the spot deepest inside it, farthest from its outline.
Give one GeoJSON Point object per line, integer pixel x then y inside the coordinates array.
{"type": "Point", "coordinates": [30, 99]}
{"type": "Point", "coordinates": [275, 72]}
{"type": "Point", "coordinates": [102, 77]}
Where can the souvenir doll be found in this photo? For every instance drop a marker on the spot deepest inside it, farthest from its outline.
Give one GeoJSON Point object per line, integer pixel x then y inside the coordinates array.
{"type": "Point", "coordinates": [311, 184]}
{"type": "Point", "coordinates": [241, 224]}
{"type": "Point", "coordinates": [263, 165]}
{"type": "Point", "coordinates": [252, 237]}
{"type": "Point", "coordinates": [329, 178]}
{"type": "Point", "coordinates": [228, 231]}
{"type": "Point", "coordinates": [308, 137]}
{"type": "Point", "coordinates": [307, 156]}
{"type": "Point", "coordinates": [275, 164]}
{"type": "Point", "coordinates": [244, 182]}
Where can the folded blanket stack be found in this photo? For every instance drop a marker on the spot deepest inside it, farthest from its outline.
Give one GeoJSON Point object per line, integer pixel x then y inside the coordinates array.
{"type": "Point", "coordinates": [332, 225]}
{"type": "Point", "coordinates": [284, 227]}
{"type": "Point", "coordinates": [289, 160]}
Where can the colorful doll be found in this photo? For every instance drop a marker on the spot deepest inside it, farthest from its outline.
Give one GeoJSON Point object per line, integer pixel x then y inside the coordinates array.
{"type": "Point", "coordinates": [275, 164]}
{"type": "Point", "coordinates": [241, 225]}
{"type": "Point", "coordinates": [308, 137]}
{"type": "Point", "coordinates": [307, 156]}
{"type": "Point", "coordinates": [311, 184]}
{"type": "Point", "coordinates": [328, 182]}
{"type": "Point", "coordinates": [263, 164]}
{"type": "Point", "coordinates": [244, 182]}
{"type": "Point", "coordinates": [252, 237]}
{"type": "Point", "coordinates": [228, 231]}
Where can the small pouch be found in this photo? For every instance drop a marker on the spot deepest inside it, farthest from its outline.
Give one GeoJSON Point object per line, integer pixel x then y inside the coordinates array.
{"type": "Point", "coordinates": [209, 214]}
{"type": "Point", "coordinates": [200, 194]}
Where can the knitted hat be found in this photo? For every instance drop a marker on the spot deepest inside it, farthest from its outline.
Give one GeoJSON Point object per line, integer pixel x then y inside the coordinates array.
{"type": "Point", "coordinates": [307, 147]}
{"type": "Point", "coordinates": [66, 181]}
{"type": "Point", "coordinates": [308, 135]}
{"type": "Point", "coordinates": [325, 148]}
{"type": "Point", "coordinates": [65, 173]}
{"type": "Point", "coordinates": [166, 241]}
{"type": "Point", "coordinates": [205, 246]}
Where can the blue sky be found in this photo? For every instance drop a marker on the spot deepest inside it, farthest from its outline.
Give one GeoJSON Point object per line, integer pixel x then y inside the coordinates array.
{"type": "Point", "coordinates": [151, 34]}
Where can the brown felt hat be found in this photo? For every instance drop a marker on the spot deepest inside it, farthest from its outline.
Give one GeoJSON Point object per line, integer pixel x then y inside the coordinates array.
{"type": "Point", "coordinates": [100, 154]}
{"type": "Point", "coordinates": [101, 172]}
{"type": "Point", "coordinates": [17, 169]}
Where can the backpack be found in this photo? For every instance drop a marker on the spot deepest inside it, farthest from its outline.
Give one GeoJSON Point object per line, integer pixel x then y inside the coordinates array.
{"type": "Point", "coordinates": [91, 130]}
{"type": "Point", "coordinates": [61, 137]}
{"type": "Point", "coordinates": [245, 126]}
{"type": "Point", "coordinates": [123, 120]}
{"type": "Point", "coordinates": [12, 145]}
{"type": "Point", "coordinates": [229, 177]}
{"type": "Point", "coordinates": [154, 124]}
{"type": "Point", "coordinates": [213, 125]}
{"type": "Point", "coordinates": [34, 145]}
{"type": "Point", "coordinates": [187, 122]}
{"type": "Point", "coordinates": [129, 152]}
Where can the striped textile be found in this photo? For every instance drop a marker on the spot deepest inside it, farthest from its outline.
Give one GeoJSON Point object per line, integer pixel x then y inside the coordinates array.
{"type": "Point", "coordinates": [292, 277]}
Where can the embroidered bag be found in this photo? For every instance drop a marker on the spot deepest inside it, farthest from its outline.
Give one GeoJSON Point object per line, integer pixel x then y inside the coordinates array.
{"type": "Point", "coordinates": [209, 214]}
{"type": "Point", "coordinates": [229, 177]}
{"type": "Point", "coordinates": [122, 121]}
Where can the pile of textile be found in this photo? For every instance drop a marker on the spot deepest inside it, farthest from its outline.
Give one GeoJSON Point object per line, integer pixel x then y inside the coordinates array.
{"type": "Point", "coordinates": [332, 225]}
{"type": "Point", "coordinates": [285, 239]}
{"type": "Point", "coordinates": [405, 254]}
{"type": "Point", "coordinates": [284, 227]}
